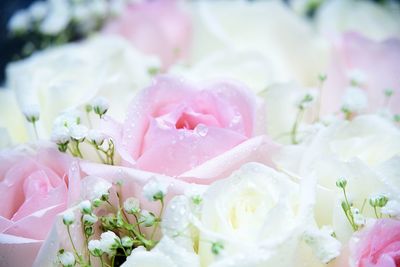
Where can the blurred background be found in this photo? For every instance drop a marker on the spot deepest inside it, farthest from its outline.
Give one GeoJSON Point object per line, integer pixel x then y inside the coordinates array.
{"type": "Point", "coordinates": [11, 47]}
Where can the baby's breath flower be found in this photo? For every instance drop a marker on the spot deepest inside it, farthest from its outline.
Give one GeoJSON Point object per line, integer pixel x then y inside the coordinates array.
{"type": "Point", "coordinates": [66, 258]}
{"type": "Point", "coordinates": [132, 205]}
{"type": "Point", "coordinates": [68, 217]}
{"type": "Point", "coordinates": [94, 247]}
{"type": "Point", "coordinates": [85, 207]}
{"type": "Point", "coordinates": [148, 218]}
{"type": "Point", "coordinates": [89, 219]}
{"type": "Point", "coordinates": [155, 190]}
{"type": "Point", "coordinates": [109, 242]}
{"type": "Point", "coordinates": [100, 105]}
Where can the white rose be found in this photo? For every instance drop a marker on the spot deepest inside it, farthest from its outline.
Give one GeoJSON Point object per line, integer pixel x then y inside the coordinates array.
{"type": "Point", "coordinates": [365, 152]}
{"type": "Point", "coordinates": [288, 43]}
{"type": "Point", "coordinates": [373, 20]}
{"type": "Point", "coordinates": [167, 253]}
{"type": "Point", "coordinates": [70, 76]}
{"type": "Point", "coordinates": [257, 217]}
{"type": "Point", "coordinates": [12, 121]}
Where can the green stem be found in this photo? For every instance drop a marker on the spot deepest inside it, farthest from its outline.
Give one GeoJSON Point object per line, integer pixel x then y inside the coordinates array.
{"type": "Point", "coordinates": [295, 126]}
{"type": "Point", "coordinates": [35, 129]}
{"type": "Point", "coordinates": [101, 260]}
{"type": "Point", "coordinates": [376, 213]}
{"type": "Point", "coordinates": [159, 216]}
{"type": "Point", "coordinates": [72, 243]}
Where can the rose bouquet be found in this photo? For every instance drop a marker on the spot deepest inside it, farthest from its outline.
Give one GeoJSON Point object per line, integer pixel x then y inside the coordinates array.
{"type": "Point", "coordinates": [202, 133]}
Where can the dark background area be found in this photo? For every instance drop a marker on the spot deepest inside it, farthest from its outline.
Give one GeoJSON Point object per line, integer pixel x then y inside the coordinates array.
{"type": "Point", "coordinates": [8, 47]}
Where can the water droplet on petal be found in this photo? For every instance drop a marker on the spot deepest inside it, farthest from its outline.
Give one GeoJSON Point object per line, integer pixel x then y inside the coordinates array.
{"type": "Point", "coordinates": [201, 130]}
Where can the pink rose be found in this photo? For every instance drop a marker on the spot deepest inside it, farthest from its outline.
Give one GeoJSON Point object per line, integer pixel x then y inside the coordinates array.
{"type": "Point", "coordinates": [377, 245]}
{"type": "Point", "coordinates": [156, 27]}
{"type": "Point", "coordinates": [33, 190]}
{"type": "Point", "coordinates": [377, 63]}
{"type": "Point", "coordinates": [176, 128]}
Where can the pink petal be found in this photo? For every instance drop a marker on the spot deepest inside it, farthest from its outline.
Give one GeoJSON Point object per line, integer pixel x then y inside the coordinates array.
{"type": "Point", "coordinates": [379, 61]}
{"type": "Point", "coordinates": [18, 251]}
{"type": "Point", "coordinates": [155, 27]}
{"type": "Point", "coordinates": [181, 150]}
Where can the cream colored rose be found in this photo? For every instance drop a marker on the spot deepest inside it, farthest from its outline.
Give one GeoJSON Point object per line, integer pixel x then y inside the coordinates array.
{"type": "Point", "coordinates": [257, 217]}
{"type": "Point", "coordinates": [12, 122]}
{"type": "Point", "coordinates": [70, 76]}
{"type": "Point", "coordinates": [286, 42]}
{"type": "Point", "coordinates": [364, 151]}
{"type": "Point", "coordinates": [371, 19]}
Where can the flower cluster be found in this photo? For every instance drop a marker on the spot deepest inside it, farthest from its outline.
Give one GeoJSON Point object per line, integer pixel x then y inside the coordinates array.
{"type": "Point", "coordinates": [203, 133]}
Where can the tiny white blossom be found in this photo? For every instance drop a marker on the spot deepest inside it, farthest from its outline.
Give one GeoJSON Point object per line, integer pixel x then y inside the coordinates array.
{"type": "Point", "coordinates": [127, 241]}
{"type": "Point", "coordinates": [68, 217]}
{"type": "Point", "coordinates": [357, 76]}
{"type": "Point", "coordinates": [155, 190]}
{"type": "Point", "coordinates": [100, 105]}
{"type": "Point", "coordinates": [85, 206]}
{"type": "Point", "coordinates": [38, 10]}
{"type": "Point", "coordinates": [109, 242]}
{"type": "Point", "coordinates": [89, 219]}
{"type": "Point", "coordinates": [31, 113]}
{"type": "Point", "coordinates": [355, 100]}
{"type": "Point", "coordinates": [57, 19]}
{"type": "Point", "coordinates": [96, 137]}
{"type": "Point", "coordinates": [67, 119]}
{"type": "Point", "coordinates": [132, 205]}
{"type": "Point", "coordinates": [20, 21]}
{"type": "Point", "coordinates": [147, 218]}
{"type": "Point", "coordinates": [78, 132]}
{"type": "Point", "coordinates": [60, 135]}
{"type": "Point", "coordinates": [67, 259]}
{"type": "Point", "coordinates": [359, 219]}
{"type": "Point", "coordinates": [94, 247]}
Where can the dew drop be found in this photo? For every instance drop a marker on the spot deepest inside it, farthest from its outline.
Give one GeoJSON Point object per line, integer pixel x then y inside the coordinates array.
{"type": "Point", "coordinates": [201, 130]}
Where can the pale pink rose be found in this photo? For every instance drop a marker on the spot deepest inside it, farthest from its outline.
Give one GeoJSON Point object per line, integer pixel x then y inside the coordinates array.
{"type": "Point", "coordinates": [377, 245]}
{"type": "Point", "coordinates": [157, 27]}
{"type": "Point", "coordinates": [376, 63]}
{"type": "Point", "coordinates": [34, 188]}
{"type": "Point", "coordinates": [178, 129]}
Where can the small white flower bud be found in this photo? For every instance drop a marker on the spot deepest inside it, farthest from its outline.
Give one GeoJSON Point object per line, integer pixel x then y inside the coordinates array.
{"type": "Point", "coordinates": [78, 132]}
{"type": "Point", "coordinates": [132, 205]}
{"type": "Point", "coordinates": [96, 137]}
{"type": "Point", "coordinates": [354, 100]}
{"type": "Point", "coordinates": [357, 77]}
{"type": "Point", "coordinates": [127, 241]}
{"type": "Point", "coordinates": [66, 258]}
{"type": "Point", "coordinates": [31, 113]}
{"type": "Point", "coordinates": [359, 219]}
{"type": "Point", "coordinates": [85, 207]}
{"type": "Point", "coordinates": [155, 190]}
{"type": "Point", "coordinates": [341, 183]}
{"type": "Point", "coordinates": [68, 119]}
{"type": "Point", "coordinates": [100, 105]}
{"type": "Point", "coordinates": [378, 200]}
{"type": "Point", "coordinates": [60, 135]}
{"type": "Point", "coordinates": [94, 247]}
{"type": "Point", "coordinates": [68, 217]}
{"type": "Point", "coordinates": [109, 242]}
{"type": "Point", "coordinates": [19, 22]}
{"type": "Point", "coordinates": [89, 219]}
{"type": "Point", "coordinates": [148, 218]}
{"type": "Point", "coordinates": [38, 10]}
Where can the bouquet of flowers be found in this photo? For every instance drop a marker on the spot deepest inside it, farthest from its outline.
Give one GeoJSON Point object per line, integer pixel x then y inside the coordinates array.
{"type": "Point", "coordinates": [202, 133]}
